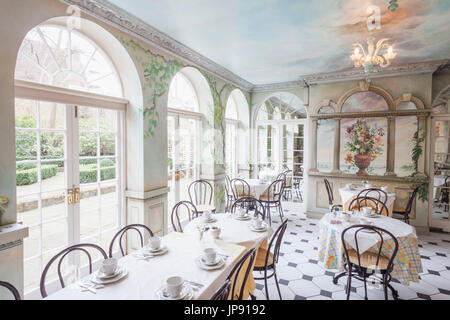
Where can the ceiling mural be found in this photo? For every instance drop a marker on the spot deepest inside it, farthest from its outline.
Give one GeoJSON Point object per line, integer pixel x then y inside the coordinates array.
{"type": "Point", "coordinates": [268, 41]}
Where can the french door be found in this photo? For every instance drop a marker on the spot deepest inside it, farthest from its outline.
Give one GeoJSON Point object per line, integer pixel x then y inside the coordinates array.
{"type": "Point", "coordinates": [183, 155]}
{"type": "Point", "coordinates": [69, 179]}
{"type": "Point", "coordinates": [439, 194]}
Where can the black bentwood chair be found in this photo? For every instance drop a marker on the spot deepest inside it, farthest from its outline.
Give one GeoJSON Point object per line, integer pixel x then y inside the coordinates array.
{"type": "Point", "coordinates": [250, 204]}
{"type": "Point", "coordinates": [375, 193]}
{"type": "Point", "coordinates": [223, 292]}
{"type": "Point", "coordinates": [331, 200]}
{"type": "Point", "coordinates": [266, 260]}
{"type": "Point", "coordinates": [82, 247]}
{"type": "Point", "coordinates": [235, 274]}
{"type": "Point", "coordinates": [11, 289]}
{"type": "Point", "coordinates": [408, 208]}
{"type": "Point", "coordinates": [362, 265]}
{"type": "Point", "coordinates": [272, 198]}
{"type": "Point", "coordinates": [123, 231]}
{"type": "Point", "coordinates": [377, 205]}
{"type": "Point", "coordinates": [190, 211]}
{"type": "Point", "coordinates": [200, 194]}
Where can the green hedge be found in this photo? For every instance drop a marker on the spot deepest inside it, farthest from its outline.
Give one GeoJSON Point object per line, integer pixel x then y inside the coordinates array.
{"type": "Point", "coordinates": [29, 176]}
{"type": "Point", "coordinates": [88, 173]}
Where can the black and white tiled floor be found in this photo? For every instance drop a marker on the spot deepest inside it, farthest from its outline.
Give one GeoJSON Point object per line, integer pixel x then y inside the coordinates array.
{"type": "Point", "coordinates": [302, 277]}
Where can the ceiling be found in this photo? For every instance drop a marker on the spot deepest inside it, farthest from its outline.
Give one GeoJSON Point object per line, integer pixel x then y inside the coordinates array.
{"type": "Point", "coordinates": [270, 41]}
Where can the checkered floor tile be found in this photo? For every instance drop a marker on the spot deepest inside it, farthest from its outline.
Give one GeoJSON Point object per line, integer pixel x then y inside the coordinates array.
{"type": "Point", "coordinates": [302, 277]}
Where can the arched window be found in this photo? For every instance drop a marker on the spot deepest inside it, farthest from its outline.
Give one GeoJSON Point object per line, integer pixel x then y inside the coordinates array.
{"type": "Point", "coordinates": [183, 124]}
{"type": "Point", "coordinates": [280, 123]}
{"type": "Point", "coordinates": [68, 153]}
{"type": "Point", "coordinates": [231, 134]}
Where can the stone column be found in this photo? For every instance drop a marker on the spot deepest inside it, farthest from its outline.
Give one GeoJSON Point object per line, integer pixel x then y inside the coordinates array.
{"type": "Point", "coordinates": [337, 146]}
{"type": "Point", "coordinates": [314, 146]}
{"type": "Point", "coordinates": [390, 158]}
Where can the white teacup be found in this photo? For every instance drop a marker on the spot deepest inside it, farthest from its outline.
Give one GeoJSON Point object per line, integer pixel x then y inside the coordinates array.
{"type": "Point", "coordinates": [366, 211]}
{"type": "Point", "coordinates": [206, 215]}
{"type": "Point", "coordinates": [241, 212]}
{"type": "Point", "coordinates": [257, 223]}
{"type": "Point", "coordinates": [155, 243]}
{"type": "Point", "coordinates": [348, 186]}
{"type": "Point", "coordinates": [109, 266]}
{"type": "Point", "coordinates": [385, 189]}
{"type": "Point", "coordinates": [367, 185]}
{"type": "Point", "coordinates": [346, 216]}
{"type": "Point", "coordinates": [210, 255]}
{"type": "Point", "coordinates": [215, 232]}
{"type": "Point", "coordinates": [174, 286]}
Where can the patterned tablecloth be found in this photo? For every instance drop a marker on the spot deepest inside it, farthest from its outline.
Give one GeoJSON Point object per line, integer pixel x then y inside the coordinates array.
{"type": "Point", "coordinates": [348, 195]}
{"type": "Point", "coordinates": [407, 263]}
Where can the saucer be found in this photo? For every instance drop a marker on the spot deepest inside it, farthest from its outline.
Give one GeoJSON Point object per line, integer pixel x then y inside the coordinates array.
{"type": "Point", "coordinates": [162, 250]}
{"type": "Point", "coordinates": [102, 275]}
{"type": "Point", "coordinates": [243, 218]}
{"type": "Point", "coordinates": [202, 265]}
{"type": "Point", "coordinates": [262, 229]}
{"type": "Point", "coordinates": [209, 264]}
{"type": "Point", "coordinates": [211, 220]}
{"type": "Point", "coordinates": [186, 293]}
{"type": "Point", "coordinates": [122, 274]}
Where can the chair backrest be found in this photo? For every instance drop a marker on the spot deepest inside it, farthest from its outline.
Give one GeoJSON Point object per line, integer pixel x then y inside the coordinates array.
{"type": "Point", "coordinates": [223, 292]}
{"type": "Point", "coordinates": [379, 232]}
{"type": "Point", "coordinates": [255, 204]}
{"type": "Point", "coordinates": [373, 193]}
{"type": "Point", "coordinates": [275, 190]}
{"type": "Point", "coordinates": [228, 187]}
{"type": "Point", "coordinates": [191, 211]}
{"type": "Point", "coordinates": [377, 205]}
{"type": "Point", "coordinates": [240, 188]}
{"type": "Point", "coordinates": [329, 191]}
{"type": "Point", "coordinates": [235, 273]}
{"type": "Point", "coordinates": [281, 176]}
{"type": "Point", "coordinates": [275, 242]}
{"type": "Point", "coordinates": [411, 200]}
{"type": "Point", "coordinates": [11, 288]}
{"type": "Point", "coordinates": [123, 231]}
{"type": "Point", "coordinates": [200, 192]}
{"type": "Point", "coordinates": [82, 247]}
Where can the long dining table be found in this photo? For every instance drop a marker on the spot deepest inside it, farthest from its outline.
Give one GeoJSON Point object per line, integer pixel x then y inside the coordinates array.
{"type": "Point", "coordinates": [146, 277]}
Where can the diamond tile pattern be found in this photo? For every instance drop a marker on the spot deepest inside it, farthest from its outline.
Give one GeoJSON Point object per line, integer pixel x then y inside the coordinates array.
{"type": "Point", "coordinates": [302, 277]}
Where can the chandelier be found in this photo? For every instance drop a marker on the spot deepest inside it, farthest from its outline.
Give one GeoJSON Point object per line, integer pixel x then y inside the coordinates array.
{"type": "Point", "coordinates": [372, 58]}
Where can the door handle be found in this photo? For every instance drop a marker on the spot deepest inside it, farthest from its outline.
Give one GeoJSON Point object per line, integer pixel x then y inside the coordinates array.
{"type": "Point", "coordinates": [77, 195]}
{"type": "Point", "coordinates": [70, 196]}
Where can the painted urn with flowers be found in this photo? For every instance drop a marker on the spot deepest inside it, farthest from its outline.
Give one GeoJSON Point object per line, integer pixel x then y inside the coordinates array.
{"type": "Point", "coordinates": [363, 144]}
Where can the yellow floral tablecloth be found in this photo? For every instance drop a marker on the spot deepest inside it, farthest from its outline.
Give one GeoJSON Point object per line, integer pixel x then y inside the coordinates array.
{"type": "Point", "coordinates": [407, 263]}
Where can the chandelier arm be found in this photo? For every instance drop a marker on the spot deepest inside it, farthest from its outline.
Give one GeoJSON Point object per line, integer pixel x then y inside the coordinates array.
{"type": "Point", "coordinates": [361, 47]}
{"type": "Point", "coordinates": [381, 44]}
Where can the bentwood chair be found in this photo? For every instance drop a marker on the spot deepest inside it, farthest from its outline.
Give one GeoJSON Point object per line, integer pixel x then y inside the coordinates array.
{"type": "Point", "coordinates": [267, 261]}
{"type": "Point", "coordinates": [361, 265]}
{"type": "Point", "coordinates": [123, 231]}
{"type": "Point", "coordinates": [287, 194]}
{"type": "Point", "coordinates": [377, 205]}
{"type": "Point", "coordinates": [331, 200]}
{"type": "Point", "coordinates": [408, 208]}
{"type": "Point", "coordinates": [251, 204]}
{"type": "Point", "coordinates": [297, 184]}
{"type": "Point", "coordinates": [223, 292]}
{"type": "Point", "coordinates": [230, 194]}
{"type": "Point", "coordinates": [239, 274]}
{"type": "Point", "coordinates": [82, 247]}
{"type": "Point", "coordinates": [240, 188]}
{"type": "Point", "coordinates": [272, 198]}
{"type": "Point", "coordinates": [200, 194]}
{"type": "Point", "coordinates": [376, 193]}
{"type": "Point", "coordinates": [11, 289]}
{"type": "Point", "coordinates": [189, 210]}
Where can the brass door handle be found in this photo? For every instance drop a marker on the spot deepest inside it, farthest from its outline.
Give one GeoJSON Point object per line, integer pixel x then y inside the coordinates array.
{"type": "Point", "coordinates": [70, 196]}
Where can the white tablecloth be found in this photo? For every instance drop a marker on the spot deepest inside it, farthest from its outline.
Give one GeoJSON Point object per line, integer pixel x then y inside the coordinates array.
{"type": "Point", "coordinates": [146, 277]}
{"type": "Point", "coordinates": [257, 188]}
{"type": "Point", "coordinates": [233, 231]}
{"type": "Point", "coordinates": [347, 194]}
{"type": "Point", "coordinates": [368, 240]}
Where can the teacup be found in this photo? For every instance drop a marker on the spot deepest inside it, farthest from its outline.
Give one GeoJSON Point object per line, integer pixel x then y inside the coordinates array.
{"type": "Point", "coordinates": [215, 232]}
{"type": "Point", "coordinates": [385, 189]}
{"type": "Point", "coordinates": [346, 216]}
{"type": "Point", "coordinates": [257, 223]}
{"type": "Point", "coordinates": [174, 286]}
{"type": "Point", "coordinates": [155, 243]}
{"type": "Point", "coordinates": [210, 255]}
{"type": "Point", "coordinates": [366, 211]}
{"type": "Point", "coordinates": [241, 213]}
{"type": "Point", "coordinates": [367, 185]}
{"type": "Point", "coordinates": [109, 266]}
{"type": "Point", "coordinates": [348, 186]}
{"type": "Point", "coordinates": [206, 215]}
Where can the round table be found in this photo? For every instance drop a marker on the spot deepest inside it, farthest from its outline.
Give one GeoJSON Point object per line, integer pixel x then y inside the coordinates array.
{"type": "Point", "coordinates": [407, 263]}
{"type": "Point", "coordinates": [347, 195]}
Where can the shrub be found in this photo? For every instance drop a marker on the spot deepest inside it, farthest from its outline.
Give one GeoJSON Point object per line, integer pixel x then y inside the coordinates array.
{"type": "Point", "coordinates": [88, 173]}
{"type": "Point", "coordinates": [29, 176]}
{"type": "Point", "coordinates": [106, 163]}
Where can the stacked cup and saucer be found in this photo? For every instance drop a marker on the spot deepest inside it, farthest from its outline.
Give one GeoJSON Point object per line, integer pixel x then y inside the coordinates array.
{"type": "Point", "coordinates": [154, 247]}
{"type": "Point", "coordinates": [258, 225]}
{"type": "Point", "coordinates": [210, 259]}
{"type": "Point", "coordinates": [175, 288]}
{"type": "Point", "coordinates": [207, 217]}
{"type": "Point", "coordinates": [109, 272]}
{"type": "Point", "coordinates": [242, 215]}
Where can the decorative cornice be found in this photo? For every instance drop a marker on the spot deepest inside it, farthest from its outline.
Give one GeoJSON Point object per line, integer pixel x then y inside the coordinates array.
{"type": "Point", "coordinates": [279, 86]}
{"type": "Point", "coordinates": [121, 19]}
{"type": "Point", "coordinates": [359, 74]}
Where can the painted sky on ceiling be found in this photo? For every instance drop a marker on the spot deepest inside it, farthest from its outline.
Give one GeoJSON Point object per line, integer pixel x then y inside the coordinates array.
{"type": "Point", "coordinates": [267, 41]}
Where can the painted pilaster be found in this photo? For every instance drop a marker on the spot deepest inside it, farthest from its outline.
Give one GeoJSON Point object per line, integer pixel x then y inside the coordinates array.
{"type": "Point", "coordinates": [337, 146]}
{"type": "Point", "coordinates": [390, 157]}
{"type": "Point", "coordinates": [313, 167]}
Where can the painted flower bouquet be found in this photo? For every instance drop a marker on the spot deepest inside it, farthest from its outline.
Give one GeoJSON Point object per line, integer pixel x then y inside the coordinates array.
{"type": "Point", "coordinates": [363, 144]}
